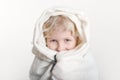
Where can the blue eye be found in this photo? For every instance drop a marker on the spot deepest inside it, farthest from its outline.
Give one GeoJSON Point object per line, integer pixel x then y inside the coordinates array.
{"type": "Point", "coordinates": [67, 40]}
{"type": "Point", "coordinates": [53, 40]}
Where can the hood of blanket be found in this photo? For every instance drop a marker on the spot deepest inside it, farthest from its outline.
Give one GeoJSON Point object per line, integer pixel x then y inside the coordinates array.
{"type": "Point", "coordinates": [39, 44]}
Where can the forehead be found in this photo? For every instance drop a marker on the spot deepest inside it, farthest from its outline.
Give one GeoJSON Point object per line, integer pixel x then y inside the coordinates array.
{"type": "Point", "coordinates": [61, 33]}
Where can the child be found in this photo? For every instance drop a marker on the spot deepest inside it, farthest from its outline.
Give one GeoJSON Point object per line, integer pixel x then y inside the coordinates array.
{"type": "Point", "coordinates": [60, 47]}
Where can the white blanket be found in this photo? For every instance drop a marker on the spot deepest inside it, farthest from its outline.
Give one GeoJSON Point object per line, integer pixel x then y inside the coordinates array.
{"type": "Point", "coordinates": [76, 64]}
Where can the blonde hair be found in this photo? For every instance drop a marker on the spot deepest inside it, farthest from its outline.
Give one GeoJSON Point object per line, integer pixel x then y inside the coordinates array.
{"type": "Point", "coordinates": [64, 22]}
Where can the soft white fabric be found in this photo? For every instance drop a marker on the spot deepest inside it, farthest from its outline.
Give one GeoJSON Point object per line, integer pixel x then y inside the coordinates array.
{"type": "Point", "coordinates": [76, 64]}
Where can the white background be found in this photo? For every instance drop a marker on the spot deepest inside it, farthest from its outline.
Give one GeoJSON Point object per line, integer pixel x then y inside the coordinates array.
{"type": "Point", "coordinates": [17, 20]}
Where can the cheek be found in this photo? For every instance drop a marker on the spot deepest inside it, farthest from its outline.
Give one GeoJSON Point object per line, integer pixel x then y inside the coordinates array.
{"type": "Point", "coordinates": [72, 45]}
{"type": "Point", "coordinates": [51, 46]}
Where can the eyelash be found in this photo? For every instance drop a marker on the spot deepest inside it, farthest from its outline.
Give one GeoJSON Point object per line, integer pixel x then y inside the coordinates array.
{"type": "Point", "coordinates": [66, 40]}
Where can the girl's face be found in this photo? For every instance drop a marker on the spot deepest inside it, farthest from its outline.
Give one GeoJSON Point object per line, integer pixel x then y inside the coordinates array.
{"type": "Point", "coordinates": [60, 40]}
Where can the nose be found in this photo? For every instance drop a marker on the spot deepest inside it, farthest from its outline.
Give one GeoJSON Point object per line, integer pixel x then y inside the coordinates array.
{"type": "Point", "coordinates": [61, 47]}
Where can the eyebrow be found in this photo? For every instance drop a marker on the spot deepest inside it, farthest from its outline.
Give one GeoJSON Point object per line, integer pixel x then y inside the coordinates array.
{"type": "Point", "coordinates": [50, 38]}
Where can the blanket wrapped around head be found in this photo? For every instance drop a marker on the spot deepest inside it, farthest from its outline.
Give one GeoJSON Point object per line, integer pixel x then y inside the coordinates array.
{"type": "Point", "coordinates": [75, 64]}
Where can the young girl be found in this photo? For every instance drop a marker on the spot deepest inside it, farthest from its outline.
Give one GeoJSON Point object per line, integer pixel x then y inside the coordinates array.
{"type": "Point", "coordinates": [61, 46]}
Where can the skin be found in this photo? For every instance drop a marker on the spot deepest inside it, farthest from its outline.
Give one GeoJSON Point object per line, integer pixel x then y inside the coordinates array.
{"type": "Point", "coordinates": [60, 40]}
